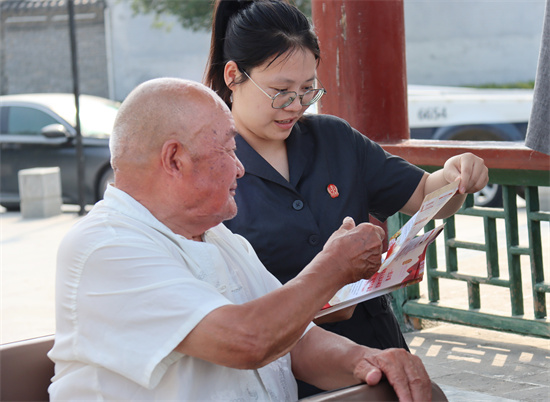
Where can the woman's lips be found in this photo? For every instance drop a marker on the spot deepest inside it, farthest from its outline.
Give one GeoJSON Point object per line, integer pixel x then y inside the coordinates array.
{"type": "Point", "coordinates": [285, 124]}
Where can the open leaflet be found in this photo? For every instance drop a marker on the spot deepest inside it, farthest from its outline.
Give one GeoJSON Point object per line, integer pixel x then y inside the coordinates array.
{"type": "Point", "coordinates": [403, 263]}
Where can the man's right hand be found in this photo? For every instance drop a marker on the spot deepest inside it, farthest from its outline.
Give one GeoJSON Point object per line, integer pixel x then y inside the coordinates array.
{"type": "Point", "coordinates": [356, 249]}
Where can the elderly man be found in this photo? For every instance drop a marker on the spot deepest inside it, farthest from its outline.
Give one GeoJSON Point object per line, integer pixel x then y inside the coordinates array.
{"type": "Point", "coordinates": [157, 300]}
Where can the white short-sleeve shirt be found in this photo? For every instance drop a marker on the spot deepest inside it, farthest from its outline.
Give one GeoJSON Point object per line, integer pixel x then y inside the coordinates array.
{"type": "Point", "coordinates": [128, 290]}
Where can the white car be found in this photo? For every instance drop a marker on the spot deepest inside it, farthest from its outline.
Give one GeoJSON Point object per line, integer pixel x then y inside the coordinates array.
{"type": "Point", "coordinates": [470, 114]}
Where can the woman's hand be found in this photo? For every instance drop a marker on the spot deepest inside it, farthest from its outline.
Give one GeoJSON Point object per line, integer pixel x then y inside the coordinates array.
{"type": "Point", "coordinates": [469, 169]}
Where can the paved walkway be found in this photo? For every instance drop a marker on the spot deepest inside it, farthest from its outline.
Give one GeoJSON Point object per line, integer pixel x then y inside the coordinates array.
{"type": "Point", "coordinates": [472, 364]}
{"type": "Point", "coordinates": [469, 364]}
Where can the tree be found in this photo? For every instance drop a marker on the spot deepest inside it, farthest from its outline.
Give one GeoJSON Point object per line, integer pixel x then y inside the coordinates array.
{"type": "Point", "coordinates": [193, 14]}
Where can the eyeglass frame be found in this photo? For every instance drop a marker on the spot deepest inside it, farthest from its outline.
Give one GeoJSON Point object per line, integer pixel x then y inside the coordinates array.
{"type": "Point", "coordinates": [323, 92]}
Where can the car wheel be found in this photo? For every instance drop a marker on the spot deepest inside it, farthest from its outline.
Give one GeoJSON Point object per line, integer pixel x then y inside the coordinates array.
{"type": "Point", "coordinates": [489, 196]}
{"type": "Point", "coordinates": [12, 207]}
{"type": "Point", "coordinates": [106, 178]}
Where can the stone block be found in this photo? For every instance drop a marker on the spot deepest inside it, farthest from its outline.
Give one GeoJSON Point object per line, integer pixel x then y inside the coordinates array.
{"type": "Point", "coordinates": [40, 192]}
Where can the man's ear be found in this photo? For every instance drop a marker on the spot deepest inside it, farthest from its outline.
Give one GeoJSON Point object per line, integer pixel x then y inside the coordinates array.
{"type": "Point", "coordinates": [231, 73]}
{"type": "Point", "coordinates": [174, 158]}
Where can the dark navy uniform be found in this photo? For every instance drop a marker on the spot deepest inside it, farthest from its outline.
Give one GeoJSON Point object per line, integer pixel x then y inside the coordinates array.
{"type": "Point", "coordinates": [335, 172]}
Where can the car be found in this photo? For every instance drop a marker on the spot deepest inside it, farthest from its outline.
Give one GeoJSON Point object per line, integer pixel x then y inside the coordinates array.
{"type": "Point", "coordinates": [38, 130]}
{"type": "Point", "coordinates": [470, 114]}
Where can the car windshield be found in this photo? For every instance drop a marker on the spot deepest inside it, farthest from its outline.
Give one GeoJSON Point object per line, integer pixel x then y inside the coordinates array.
{"type": "Point", "coordinates": [97, 116]}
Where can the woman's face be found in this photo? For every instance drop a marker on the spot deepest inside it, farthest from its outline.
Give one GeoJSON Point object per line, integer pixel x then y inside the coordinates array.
{"type": "Point", "coordinates": [254, 117]}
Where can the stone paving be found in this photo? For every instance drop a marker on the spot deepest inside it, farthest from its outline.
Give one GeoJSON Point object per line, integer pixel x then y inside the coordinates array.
{"type": "Point", "coordinates": [469, 364]}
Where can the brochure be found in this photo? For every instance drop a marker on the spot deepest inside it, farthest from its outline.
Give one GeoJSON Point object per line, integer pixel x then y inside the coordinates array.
{"type": "Point", "coordinates": [403, 263]}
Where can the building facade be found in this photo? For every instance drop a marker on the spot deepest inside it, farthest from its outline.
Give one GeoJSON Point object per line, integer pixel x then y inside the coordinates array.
{"type": "Point", "coordinates": [35, 52]}
{"type": "Point", "coordinates": [448, 42]}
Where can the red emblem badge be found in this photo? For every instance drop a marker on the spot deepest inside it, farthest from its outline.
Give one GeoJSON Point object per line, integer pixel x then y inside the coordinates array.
{"type": "Point", "coordinates": [333, 190]}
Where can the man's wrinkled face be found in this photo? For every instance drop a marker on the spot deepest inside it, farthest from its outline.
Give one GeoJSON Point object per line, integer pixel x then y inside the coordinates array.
{"type": "Point", "coordinates": [216, 168]}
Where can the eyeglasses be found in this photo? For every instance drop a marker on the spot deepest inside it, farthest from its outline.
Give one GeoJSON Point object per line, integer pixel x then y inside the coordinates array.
{"type": "Point", "coordinates": [285, 98]}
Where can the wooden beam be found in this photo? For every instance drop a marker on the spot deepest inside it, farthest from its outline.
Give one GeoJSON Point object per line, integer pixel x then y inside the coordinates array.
{"type": "Point", "coordinates": [497, 155]}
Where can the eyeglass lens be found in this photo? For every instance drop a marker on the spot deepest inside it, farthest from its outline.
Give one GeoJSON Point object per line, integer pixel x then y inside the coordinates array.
{"type": "Point", "coordinates": [283, 99]}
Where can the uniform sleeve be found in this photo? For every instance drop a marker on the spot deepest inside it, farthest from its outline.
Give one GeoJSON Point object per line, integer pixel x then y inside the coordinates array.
{"type": "Point", "coordinates": [387, 181]}
{"type": "Point", "coordinates": [390, 180]}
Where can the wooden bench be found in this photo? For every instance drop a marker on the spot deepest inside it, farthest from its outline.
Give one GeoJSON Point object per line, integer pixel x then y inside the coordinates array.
{"type": "Point", "coordinates": [379, 393]}
{"type": "Point", "coordinates": [27, 372]}
{"type": "Point", "coordinates": [26, 369]}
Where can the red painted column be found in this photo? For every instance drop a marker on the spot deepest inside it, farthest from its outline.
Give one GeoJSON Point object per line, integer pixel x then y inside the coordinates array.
{"type": "Point", "coordinates": [363, 65]}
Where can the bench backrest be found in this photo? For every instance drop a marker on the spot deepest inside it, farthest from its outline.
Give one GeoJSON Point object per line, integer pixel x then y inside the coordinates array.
{"type": "Point", "coordinates": [26, 370]}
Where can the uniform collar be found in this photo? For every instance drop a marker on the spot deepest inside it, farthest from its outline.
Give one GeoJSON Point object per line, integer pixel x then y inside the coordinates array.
{"type": "Point", "coordinates": [256, 165]}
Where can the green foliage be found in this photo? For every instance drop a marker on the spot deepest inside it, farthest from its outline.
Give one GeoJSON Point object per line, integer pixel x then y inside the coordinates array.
{"type": "Point", "coordinates": [511, 85]}
{"type": "Point", "coordinates": [193, 14]}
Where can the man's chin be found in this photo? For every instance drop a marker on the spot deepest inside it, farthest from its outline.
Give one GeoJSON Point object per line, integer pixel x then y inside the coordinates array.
{"type": "Point", "coordinates": [232, 213]}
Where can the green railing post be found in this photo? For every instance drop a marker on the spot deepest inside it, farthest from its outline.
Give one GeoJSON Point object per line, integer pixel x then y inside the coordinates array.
{"type": "Point", "coordinates": [508, 168]}
{"type": "Point", "coordinates": [431, 265]}
{"type": "Point", "coordinates": [512, 244]}
{"type": "Point", "coordinates": [451, 255]}
{"type": "Point", "coordinates": [490, 227]}
{"type": "Point", "coordinates": [535, 246]}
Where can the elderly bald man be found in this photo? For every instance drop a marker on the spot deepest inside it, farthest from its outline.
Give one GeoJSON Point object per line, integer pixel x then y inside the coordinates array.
{"type": "Point", "coordinates": [157, 300]}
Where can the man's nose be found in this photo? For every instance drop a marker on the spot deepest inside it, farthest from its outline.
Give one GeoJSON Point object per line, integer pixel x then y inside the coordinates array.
{"type": "Point", "coordinates": [240, 168]}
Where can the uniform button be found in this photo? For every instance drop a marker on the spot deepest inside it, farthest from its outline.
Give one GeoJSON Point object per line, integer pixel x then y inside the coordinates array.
{"type": "Point", "coordinates": [298, 205]}
{"type": "Point", "coordinates": [384, 302]}
{"type": "Point", "coordinates": [313, 240]}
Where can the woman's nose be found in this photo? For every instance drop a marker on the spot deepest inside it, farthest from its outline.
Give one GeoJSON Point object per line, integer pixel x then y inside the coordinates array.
{"type": "Point", "coordinates": [295, 105]}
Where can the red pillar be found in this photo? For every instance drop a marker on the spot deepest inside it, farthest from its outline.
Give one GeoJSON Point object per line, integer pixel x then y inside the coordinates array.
{"type": "Point", "coordinates": [363, 65]}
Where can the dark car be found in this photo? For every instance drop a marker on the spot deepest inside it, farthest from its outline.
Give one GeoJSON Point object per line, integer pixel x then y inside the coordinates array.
{"type": "Point", "coordinates": [38, 130]}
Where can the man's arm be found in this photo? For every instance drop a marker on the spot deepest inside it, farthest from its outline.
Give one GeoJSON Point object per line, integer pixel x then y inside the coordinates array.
{"type": "Point", "coordinates": [330, 361]}
{"type": "Point", "coordinates": [253, 334]}
{"type": "Point", "coordinates": [468, 168]}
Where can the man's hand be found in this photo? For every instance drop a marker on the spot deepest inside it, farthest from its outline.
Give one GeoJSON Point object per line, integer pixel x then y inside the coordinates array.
{"type": "Point", "coordinates": [330, 361]}
{"type": "Point", "coordinates": [405, 372]}
{"type": "Point", "coordinates": [471, 171]}
{"type": "Point", "coordinates": [357, 249]}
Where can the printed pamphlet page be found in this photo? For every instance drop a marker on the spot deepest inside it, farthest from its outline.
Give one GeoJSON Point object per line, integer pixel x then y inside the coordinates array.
{"type": "Point", "coordinates": [403, 264]}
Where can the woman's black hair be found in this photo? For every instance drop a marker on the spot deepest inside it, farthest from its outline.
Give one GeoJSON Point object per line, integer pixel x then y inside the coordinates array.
{"type": "Point", "coordinates": [250, 33]}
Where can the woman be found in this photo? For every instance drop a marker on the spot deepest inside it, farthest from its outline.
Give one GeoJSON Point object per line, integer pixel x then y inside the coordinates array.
{"type": "Point", "coordinates": [305, 173]}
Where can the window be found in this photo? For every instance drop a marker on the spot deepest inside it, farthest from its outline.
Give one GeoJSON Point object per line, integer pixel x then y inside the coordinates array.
{"type": "Point", "coordinates": [27, 121]}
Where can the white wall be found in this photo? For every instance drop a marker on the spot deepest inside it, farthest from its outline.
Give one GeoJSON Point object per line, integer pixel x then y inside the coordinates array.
{"type": "Point", "coordinates": [449, 42]}
{"type": "Point", "coordinates": [460, 42]}
{"type": "Point", "coordinates": [139, 52]}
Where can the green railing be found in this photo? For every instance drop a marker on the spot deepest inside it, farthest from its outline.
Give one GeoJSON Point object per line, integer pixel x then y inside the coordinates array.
{"type": "Point", "coordinates": [522, 314]}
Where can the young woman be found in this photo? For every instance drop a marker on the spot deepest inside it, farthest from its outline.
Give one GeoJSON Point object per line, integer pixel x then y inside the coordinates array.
{"type": "Point", "coordinates": [305, 173]}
